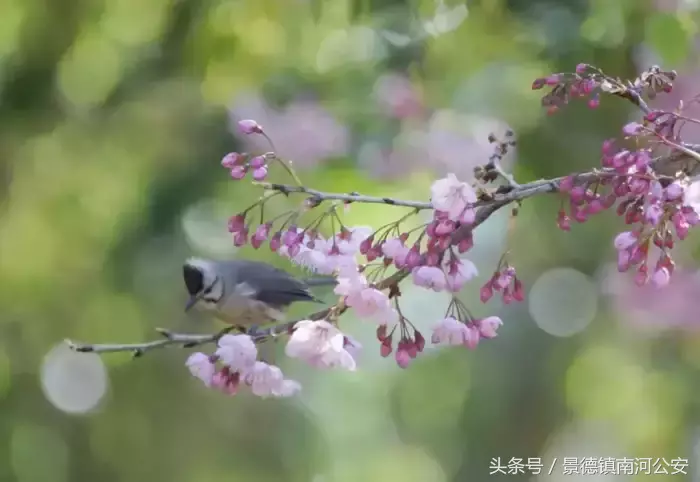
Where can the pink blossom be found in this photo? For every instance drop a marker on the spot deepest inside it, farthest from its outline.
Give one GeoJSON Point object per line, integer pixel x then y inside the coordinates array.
{"type": "Point", "coordinates": [232, 159]}
{"type": "Point", "coordinates": [472, 338]}
{"type": "Point", "coordinates": [450, 331]}
{"type": "Point", "coordinates": [488, 326]}
{"type": "Point", "coordinates": [468, 216]}
{"type": "Point", "coordinates": [486, 291]}
{"type": "Point", "coordinates": [675, 191]}
{"type": "Point", "coordinates": [624, 258]}
{"type": "Point", "coordinates": [201, 366]}
{"type": "Point", "coordinates": [226, 381]}
{"type": "Point", "coordinates": [661, 277]}
{"type": "Point", "coordinates": [394, 247]}
{"type": "Point", "coordinates": [236, 223]}
{"type": "Point", "coordinates": [656, 191]}
{"type": "Point", "coordinates": [653, 214]}
{"type": "Point", "coordinates": [350, 243]}
{"type": "Point", "coordinates": [353, 346]}
{"type": "Point", "coordinates": [249, 126]}
{"type": "Point", "coordinates": [324, 256]}
{"type": "Point", "coordinates": [430, 277]}
{"type": "Point", "coordinates": [257, 162]}
{"type": "Point", "coordinates": [350, 284]}
{"type": "Point", "coordinates": [313, 259]}
{"type": "Point", "coordinates": [320, 344]}
{"type": "Point", "coordinates": [452, 196]}
{"type": "Point", "coordinates": [403, 357]}
{"type": "Point", "coordinates": [238, 172]}
{"type": "Point", "coordinates": [632, 129]}
{"type": "Point", "coordinates": [260, 173]}
{"type": "Point", "coordinates": [260, 236]}
{"type": "Point", "coordinates": [267, 380]}
{"type": "Point", "coordinates": [386, 317]}
{"type": "Point", "coordinates": [237, 352]}
{"type": "Point", "coordinates": [625, 240]}
{"type": "Point", "coordinates": [459, 274]}
{"type": "Point", "coordinates": [369, 302]}
{"type": "Point", "coordinates": [338, 263]}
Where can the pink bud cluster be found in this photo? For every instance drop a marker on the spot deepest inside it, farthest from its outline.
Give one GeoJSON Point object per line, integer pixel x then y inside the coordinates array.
{"type": "Point", "coordinates": [240, 165]}
{"type": "Point", "coordinates": [234, 364]}
{"type": "Point", "coordinates": [506, 282]}
{"type": "Point", "coordinates": [652, 205]}
{"type": "Point", "coordinates": [588, 82]}
{"type": "Point", "coordinates": [583, 83]}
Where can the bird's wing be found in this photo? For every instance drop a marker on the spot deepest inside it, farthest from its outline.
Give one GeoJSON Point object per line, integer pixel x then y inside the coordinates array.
{"type": "Point", "coordinates": [283, 291]}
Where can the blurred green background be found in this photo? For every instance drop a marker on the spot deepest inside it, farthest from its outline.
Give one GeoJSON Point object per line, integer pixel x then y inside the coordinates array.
{"type": "Point", "coordinates": [114, 116]}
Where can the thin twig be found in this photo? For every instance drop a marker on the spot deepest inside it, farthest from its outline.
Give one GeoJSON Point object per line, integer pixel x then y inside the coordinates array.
{"type": "Point", "coordinates": [349, 198]}
{"type": "Point", "coordinates": [185, 340]}
{"type": "Point", "coordinates": [505, 175]}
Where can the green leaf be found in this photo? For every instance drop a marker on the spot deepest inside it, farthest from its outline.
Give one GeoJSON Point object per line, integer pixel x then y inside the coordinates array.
{"type": "Point", "coordinates": [669, 36]}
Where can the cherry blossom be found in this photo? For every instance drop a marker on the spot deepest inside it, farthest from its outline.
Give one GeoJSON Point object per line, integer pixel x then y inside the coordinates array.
{"type": "Point", "coordinates": [452, 196]}
{"type": "Point", "coordinates": [320, 344]}
{"type": "Point", "coordinates": [267, 380]}
{"type": "Point", "coordinates": [239, 352]}
{"type": "Point", "coordinates": [201, 366]}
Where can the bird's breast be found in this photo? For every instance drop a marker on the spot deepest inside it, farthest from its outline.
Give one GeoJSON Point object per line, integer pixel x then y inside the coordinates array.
{"type": "Point", "coordinates": [240, 310]}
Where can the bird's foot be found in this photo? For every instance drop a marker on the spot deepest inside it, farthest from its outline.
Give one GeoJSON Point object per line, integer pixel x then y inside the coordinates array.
{"type": "Point", "coordinates": [252, 331]}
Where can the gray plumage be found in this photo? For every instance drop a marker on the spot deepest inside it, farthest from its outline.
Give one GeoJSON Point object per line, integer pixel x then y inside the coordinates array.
{"type": "Point", "coordinates": [243, 292]}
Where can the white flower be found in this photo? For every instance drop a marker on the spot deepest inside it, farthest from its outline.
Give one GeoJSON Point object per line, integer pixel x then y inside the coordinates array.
{"type": "Point", "coordinates": [267, 380]}
{"type": "Point", "coordinates": [465, 271]}
{"type": "Point", "coordinates": [352, 245]}
{"type": "Point", "coordinates": [393, 248]}
{"type": "Point", "coordinates": [320, 344]}
{"type": "Point", "coordinates": [237, 351]}
{"type": "Point", "coordinates": [452, 196]}
{"type": "Point", "coordinates": [489, 326]}
{"type": "Point", "coordinates": [350, 284]}
{"type": "Point", "coordinates": [625, 240]}
{"type": "Point", "coordinates": [450, 331]}
{"type": "Point", "coordinates": [200, 366]}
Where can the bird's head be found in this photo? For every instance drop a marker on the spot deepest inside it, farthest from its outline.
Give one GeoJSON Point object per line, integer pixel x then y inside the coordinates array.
{"type": "Point", "coordinates": [203, 283]}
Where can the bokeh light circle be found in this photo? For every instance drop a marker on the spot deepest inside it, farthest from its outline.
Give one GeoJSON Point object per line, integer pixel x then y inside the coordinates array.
{"type": "Point", "coordinates": [73, 382]}
{"type": "Point", "coordinates": [563, 301]}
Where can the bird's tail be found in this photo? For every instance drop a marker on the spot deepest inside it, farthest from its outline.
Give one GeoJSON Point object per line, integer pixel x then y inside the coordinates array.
{"type": "Point", "coordinates": [320, 281]}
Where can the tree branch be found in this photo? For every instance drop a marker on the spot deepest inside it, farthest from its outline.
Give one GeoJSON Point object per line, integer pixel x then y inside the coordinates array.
{"type": "Point", "coordinates": [185, 340]}
{"type": "Point", "coordinates": [349, 198]}
{"type": "Point", "coordinates": [485, 209]}
{"type": "Point", "coordinates": [189, 340]}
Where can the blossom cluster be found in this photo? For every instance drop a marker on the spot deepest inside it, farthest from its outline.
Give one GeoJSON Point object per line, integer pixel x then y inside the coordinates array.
{"type": "Point", "coordinates": [235, 364]}
{"type": "Point", "coordinates": [360, 257]}
{"type": "Point", "coordinates": [647, 194]}
{"type": "Point", "coordinates": [587, 81]}
{"type": "Point", "coordinates": [369, 264]}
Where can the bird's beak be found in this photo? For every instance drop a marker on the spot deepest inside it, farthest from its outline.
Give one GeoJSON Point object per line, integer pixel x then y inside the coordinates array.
{"type": "Point", "coordinates": [191, 302]}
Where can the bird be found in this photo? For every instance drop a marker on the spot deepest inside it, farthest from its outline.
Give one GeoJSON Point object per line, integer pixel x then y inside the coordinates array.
{"type": "Point", "coordinates": [245, 293]}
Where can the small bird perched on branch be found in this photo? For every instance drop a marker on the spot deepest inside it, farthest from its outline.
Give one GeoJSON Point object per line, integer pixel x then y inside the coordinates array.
{"type": "Point", "coordinates": [245, 293]}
